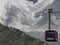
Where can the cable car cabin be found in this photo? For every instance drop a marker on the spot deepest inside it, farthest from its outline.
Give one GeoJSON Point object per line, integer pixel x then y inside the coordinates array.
{"type": "Point", "coordinates": [51, 36]}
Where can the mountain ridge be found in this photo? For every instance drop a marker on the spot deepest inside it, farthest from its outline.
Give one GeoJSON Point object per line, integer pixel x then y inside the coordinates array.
{"type": "Point", "coordinates": [12, 36]}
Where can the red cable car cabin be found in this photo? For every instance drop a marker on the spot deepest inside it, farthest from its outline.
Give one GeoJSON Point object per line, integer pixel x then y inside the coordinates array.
{"type": "Point", "coordinates": [51, 35]}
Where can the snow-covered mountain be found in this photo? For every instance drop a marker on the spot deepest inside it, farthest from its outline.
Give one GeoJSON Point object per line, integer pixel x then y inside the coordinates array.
{"type": "Point", "coordinates": [22, 14]}
{"type": "Point", "coordinates": [27, 16]}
